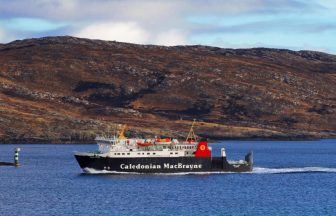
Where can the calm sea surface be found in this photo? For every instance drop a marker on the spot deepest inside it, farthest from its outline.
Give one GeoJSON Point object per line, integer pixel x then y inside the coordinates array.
{"type": "Point", "coordinates": [290, 178]}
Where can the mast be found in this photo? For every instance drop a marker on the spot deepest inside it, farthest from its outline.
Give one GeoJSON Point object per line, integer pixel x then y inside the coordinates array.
{"type": "Point", "coordinates": [191, 134]}
{"type": "Point", "coordinates": [122, 132]}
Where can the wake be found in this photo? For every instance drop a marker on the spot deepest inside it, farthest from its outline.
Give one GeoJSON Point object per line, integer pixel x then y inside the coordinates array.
{"type": "Point", "coordinates": [264, 170]}
{"type": "Point", "coordinates": [94, 171]}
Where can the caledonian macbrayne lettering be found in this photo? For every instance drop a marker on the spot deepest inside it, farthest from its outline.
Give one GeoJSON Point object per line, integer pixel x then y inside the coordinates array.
{"type": "Point", "coordinates": [158, 166]}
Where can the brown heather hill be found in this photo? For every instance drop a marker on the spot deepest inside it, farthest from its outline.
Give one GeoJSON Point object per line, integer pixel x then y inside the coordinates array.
{"type": "Point", "coordinates": [66, 89]}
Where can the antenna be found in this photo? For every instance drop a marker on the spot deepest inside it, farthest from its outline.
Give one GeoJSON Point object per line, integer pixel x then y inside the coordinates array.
{"type": "Point", "coordinates": [115, 130]}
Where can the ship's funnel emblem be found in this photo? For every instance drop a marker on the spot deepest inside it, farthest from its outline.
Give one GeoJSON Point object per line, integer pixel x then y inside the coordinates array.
{"type": "Point", "coordinates": [203, 150]}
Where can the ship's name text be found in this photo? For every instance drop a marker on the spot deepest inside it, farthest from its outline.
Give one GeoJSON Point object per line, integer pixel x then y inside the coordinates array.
{"type": "Point", "coordinates": [158, 166]}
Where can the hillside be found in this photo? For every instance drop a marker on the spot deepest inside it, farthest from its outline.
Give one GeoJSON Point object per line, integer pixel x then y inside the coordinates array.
{"type": "Point", "coordinates": [66, 89]}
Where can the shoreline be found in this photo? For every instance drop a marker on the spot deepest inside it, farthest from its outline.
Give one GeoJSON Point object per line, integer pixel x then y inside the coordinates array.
{"type": "Point", "coordinates": [211, 140]}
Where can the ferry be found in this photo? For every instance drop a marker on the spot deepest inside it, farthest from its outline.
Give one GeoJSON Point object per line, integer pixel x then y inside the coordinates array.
{"type": "Point", "coordinates": [119, 154]}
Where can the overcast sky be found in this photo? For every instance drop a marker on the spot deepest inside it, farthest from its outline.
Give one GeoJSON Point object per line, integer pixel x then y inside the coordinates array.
{"type": "Point", "coordinates": [293, 24]}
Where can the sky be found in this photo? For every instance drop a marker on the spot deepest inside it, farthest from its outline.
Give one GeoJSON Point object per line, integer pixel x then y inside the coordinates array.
{"type": "Point", "coordinates": [289, 24]}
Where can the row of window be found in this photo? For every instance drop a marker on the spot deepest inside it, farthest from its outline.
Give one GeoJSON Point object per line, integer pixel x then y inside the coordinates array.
{"type": "Point", "coordinates": [148, 153]}
{"type": "Point", "coordinates": [121, 153]}
{"type": "Point", "coordinates": [184, 147]}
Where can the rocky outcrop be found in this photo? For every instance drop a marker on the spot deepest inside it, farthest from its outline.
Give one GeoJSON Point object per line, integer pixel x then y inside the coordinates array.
{"type": "Point", "coordinates": [66, 89]}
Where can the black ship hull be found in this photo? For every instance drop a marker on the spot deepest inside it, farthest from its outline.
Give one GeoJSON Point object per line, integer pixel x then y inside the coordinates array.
{"type": "Point", "coordinates": [162, 164]}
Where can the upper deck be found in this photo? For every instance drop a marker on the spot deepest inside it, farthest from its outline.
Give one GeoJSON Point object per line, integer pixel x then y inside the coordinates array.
{"type": "Point", "coordinates": [133, 147]}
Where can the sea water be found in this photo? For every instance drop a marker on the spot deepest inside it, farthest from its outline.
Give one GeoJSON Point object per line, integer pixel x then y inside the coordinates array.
{"type": "Point", "coordinates": [289, 178]}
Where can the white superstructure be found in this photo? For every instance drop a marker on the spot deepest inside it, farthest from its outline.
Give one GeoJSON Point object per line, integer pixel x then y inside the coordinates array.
{"type": "Point", "coordinates": [133, 147]}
